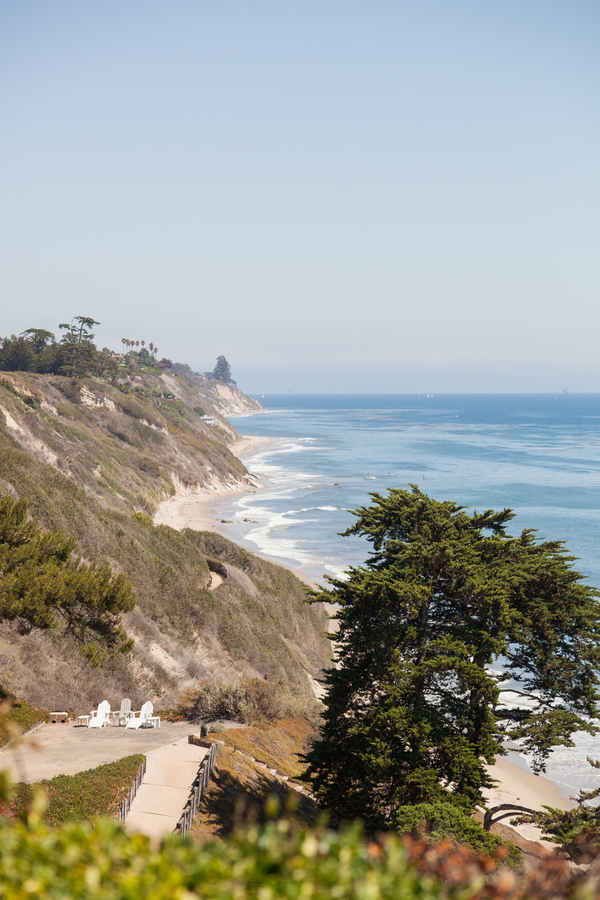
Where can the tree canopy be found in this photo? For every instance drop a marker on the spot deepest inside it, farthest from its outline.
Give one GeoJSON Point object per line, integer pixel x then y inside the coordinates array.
{"type": "Point", "coordinates": [44, 585]}
{"type": "Point", "coordinates": [76, 355]}
{"type": "Point", "coordinates": [222, 371]}
{"type": "Point", "coordinates": [414, 709]}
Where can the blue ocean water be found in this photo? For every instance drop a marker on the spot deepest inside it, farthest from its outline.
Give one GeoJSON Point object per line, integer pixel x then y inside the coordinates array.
{"type": "Point", "coordinates": [538, 454]}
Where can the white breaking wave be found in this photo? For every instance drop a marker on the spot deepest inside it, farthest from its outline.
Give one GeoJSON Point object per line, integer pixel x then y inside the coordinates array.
{"type": "Point", "coordinates": [311, 508]}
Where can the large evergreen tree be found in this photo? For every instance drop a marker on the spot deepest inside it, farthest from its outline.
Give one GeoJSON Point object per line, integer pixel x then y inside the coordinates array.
{"type": "Point", "coordinates": [16, 354]}
{"type": "Point", "coordinates": [44, 585]}
{"type": "Point", "coordinates": [413, 709]}
{"type": "Point", "coordinates": [222, 371]}
{"type": "Point", "coordinates": [78, 346]}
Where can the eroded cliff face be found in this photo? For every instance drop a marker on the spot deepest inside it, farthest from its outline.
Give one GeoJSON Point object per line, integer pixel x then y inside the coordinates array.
{"type": "Point", "coordinates": [226, 399]}
{"type": "Point", "coordinates": [94, 461]}
{"type": "Point", "coordinates": [129, 450]}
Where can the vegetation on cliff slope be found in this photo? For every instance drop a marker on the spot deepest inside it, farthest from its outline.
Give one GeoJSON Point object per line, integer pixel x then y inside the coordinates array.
{"type": "Point", "coordinates": [91, 462]}
{"type": "Point", "coordinates": [129, 450]}
{"type": "Point", "coordinates": [45, 585]}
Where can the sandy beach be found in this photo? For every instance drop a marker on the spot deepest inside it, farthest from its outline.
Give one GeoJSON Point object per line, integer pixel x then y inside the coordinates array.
{"type": "Point", "coordinates": [195, 508]}
{"type": "Point", "coordinates": [198, 510]}
{"type": "Point", "coordinates": [520, 786]}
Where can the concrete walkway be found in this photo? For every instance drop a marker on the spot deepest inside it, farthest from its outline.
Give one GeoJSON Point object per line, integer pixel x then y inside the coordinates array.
{"type": "Point", "coordinates": [163, 794]}
{"type": "Point", "coordinates": [66, 749]}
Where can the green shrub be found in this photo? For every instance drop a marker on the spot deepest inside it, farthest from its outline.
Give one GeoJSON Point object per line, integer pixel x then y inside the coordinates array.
{"type": "Point", "coordinates": [69, 388]}
{"type": "Point", "coordinates": [143, 519]}
{"type": "Point", "coordinates": [81, 797]}
{"type": "Point", "coordinates": [444, 821]}
{"type": "Point", "coordinates": [150, 467]}
{"type": "Point", "coordinates": [19, 714]}
{"type": "Point", "coordinates": [100, 862]}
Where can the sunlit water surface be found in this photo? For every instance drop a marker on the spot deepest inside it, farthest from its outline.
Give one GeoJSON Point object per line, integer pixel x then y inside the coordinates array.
{"type": "Point", "coordinates": [538, 454]}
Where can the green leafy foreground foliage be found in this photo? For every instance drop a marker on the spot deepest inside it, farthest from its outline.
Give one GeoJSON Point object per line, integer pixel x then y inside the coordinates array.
{"type": "Point", "coordinates": [77, 798]}
{"type": "Point", "coordinates": [413, 710]}
{"type": "Point", "coordinates": [44, 585]}
{"type": "Point", "coordinates": [279, 862]}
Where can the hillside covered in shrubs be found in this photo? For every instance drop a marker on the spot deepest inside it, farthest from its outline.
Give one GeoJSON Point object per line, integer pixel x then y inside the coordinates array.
{"type": "Point", "coordinates": [92, 457]}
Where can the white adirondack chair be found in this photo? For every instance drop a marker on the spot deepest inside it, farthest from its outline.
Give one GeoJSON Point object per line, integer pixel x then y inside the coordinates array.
{"type": "Point", "coordinates": [144, 717]}
{"type": "Point", "coordinates": [100, 716]}
{"type": "Point", "coordinates": [120, 717]}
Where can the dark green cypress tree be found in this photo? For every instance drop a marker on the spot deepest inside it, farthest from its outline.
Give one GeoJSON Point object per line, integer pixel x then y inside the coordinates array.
{"type": "Point", "coordinates": [413, 709]}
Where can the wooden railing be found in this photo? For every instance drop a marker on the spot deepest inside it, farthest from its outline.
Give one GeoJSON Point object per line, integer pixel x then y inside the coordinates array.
{"type": "Point", "coordinates": [198, 787]}
{"type": "Point", "coordinates": [126, 803]}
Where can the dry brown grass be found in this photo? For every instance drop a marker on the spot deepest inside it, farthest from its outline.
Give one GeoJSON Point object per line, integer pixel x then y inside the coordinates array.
{"type": "Point", "coordinates": [251, 702]}
{"type": "Point", "coordinates": [279, 745]}
{"type": "Point", "coordinates": [243, 791]}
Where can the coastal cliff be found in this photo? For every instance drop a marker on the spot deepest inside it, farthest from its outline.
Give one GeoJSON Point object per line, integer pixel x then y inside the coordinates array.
{"type": "Point", "coordinates": [226, 399]}
{"type": "Point", "coordinates": [94, 460]}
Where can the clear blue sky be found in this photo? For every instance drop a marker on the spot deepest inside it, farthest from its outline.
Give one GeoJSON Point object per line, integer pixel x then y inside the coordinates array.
{"type": "Point", "coordinates": [376, 195]}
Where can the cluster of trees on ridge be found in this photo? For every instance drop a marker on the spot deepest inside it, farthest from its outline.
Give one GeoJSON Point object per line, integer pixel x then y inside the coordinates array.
{"type": "Point", "coordinates": [76, 355]}
{"type": "Point", "coordinates": [413, 709]}
{"type": "Point", "coordinates": [142, 352]}
{"type": "Point", "coordinates": [221, 372]}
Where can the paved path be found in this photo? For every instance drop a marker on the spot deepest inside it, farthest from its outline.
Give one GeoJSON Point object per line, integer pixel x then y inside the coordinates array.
{"type": "Point", "coordinates": [163, 794]}
{"type": "Point", "coordinates": [67, 749]}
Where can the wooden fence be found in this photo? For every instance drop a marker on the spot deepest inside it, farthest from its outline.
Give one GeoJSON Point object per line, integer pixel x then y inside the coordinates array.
{"type": "Point", "coordinates": [126, 803]}
{"type": "Point", "coordinates": [198, 787]}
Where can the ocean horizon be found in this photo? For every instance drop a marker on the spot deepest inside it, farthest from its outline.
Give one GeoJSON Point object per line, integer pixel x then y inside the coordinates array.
{"type": "Point", "coordinates": [537, 454]}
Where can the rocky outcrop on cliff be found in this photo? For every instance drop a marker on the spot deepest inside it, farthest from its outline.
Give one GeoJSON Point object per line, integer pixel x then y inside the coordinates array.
{"type": "Point", "coordinates": [228, 400]}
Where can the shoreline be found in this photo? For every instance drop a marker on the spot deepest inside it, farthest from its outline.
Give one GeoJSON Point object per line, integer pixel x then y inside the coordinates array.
{"type": "Point", "coordinates": [519, 785]}
{"type": "Point", "coordinates": [516, 784]}
{"type": "Point", "coordinates": [195, 508]}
